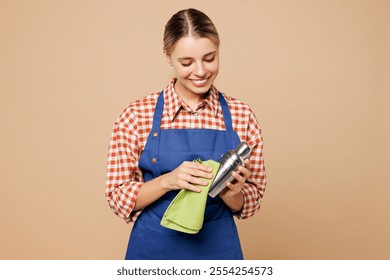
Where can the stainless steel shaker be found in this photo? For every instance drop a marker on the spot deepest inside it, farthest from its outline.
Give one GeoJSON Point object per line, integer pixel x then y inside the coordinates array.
{"type": "Point", "coordinates": [229, 163]}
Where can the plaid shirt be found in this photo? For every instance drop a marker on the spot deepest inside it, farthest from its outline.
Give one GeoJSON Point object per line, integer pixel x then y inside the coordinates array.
{"type": "Point", "coordinates": [131, 131]}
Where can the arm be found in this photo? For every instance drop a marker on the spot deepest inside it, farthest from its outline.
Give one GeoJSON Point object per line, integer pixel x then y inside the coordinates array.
{"type": "Point", "coordinates": [244, 194]}
{"type": "Point", "coordinates": [126, 192]}
{"type": "Point", "coordinates": [124, 178]}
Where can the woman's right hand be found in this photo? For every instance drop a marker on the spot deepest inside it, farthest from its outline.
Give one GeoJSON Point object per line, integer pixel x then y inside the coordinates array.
{"type": "Point", "coordinates": [186, 176]}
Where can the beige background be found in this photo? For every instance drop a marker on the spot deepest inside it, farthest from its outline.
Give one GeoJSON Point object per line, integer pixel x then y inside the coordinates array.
{"type": "Point", "coordinates": [315, 72]}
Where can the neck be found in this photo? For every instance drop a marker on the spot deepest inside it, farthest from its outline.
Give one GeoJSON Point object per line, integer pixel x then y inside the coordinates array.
{"type": "Point", "coordinates": [193, 102]}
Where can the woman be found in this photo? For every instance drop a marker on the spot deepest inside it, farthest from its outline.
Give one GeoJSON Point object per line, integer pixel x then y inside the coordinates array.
{"type": "Point", "coordinates": [156, 139]}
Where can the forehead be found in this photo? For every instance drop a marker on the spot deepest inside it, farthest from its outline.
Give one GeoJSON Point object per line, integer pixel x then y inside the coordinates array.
{"type": "Point", "coordinates": [193, 47]}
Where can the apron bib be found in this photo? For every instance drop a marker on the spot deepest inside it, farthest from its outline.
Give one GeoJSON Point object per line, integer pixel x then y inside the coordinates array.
{"type": "Point", "coordinates": [165, 150]}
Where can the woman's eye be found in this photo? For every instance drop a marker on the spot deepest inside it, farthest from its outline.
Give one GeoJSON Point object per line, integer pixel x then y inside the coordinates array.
{"type": "Point", "coordinates": [209, 59]}
{"type": "Point", "coordinates": [185, 64]}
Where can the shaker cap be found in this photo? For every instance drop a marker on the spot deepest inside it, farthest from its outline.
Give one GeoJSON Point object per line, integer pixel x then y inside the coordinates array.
{"type": "Point", "coordinates": [243, 150]}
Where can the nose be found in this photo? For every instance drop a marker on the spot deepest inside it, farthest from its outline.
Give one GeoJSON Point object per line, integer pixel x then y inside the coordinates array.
{"type": "Point", "coordinates": [199, 69]}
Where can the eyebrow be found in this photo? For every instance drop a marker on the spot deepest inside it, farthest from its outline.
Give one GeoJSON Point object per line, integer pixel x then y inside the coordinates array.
{"type": "Point", "coordinates": [188, 57]}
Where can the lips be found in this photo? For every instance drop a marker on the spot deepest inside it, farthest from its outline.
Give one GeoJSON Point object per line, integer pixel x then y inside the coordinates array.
{"type": "Point", "coordinates": [199, 82]}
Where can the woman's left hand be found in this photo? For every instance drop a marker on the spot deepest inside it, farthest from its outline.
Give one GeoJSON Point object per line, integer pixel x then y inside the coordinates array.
{"type": "Point", "coordinates": [232, 195]}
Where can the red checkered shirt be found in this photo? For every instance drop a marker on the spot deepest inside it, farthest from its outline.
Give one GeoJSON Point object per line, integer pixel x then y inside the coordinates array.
{"type": "Point", "coordinates": [131, 131]}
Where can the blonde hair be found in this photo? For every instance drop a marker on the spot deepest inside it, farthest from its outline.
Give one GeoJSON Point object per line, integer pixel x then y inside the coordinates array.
{"type": "Point", "coordinates": [189, 22]}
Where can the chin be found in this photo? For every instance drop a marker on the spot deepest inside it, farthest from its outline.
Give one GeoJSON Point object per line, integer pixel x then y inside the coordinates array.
{"type": "Point", "coordinates": [200, 90]}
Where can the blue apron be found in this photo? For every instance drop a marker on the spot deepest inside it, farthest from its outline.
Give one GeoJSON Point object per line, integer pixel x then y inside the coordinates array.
{"type": "Point", "coordinates": [165, 150]}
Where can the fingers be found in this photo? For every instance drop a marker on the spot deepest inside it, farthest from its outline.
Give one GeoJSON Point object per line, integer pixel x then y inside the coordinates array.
{"type": "Point", "coordinates": [189, 174]}
{"type": "Point", "coordinates": [196, 169]}
{"type": "Point", "coordinates": [185, 185]}
{"type": "Point", "coordinates": [240, 176]}
{"type": "Point", "coordinates": [244, 170]}
{"type": "Point", "coordinates": [189, 177]}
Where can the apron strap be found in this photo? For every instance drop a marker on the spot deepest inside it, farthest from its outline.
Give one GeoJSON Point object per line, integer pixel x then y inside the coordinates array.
{"type": "Point", "coordinates": [158, 111]}
{"type": "Point", "coordinates": [154, 135]}
{"type": "Point", "coordinates": [226, 112]}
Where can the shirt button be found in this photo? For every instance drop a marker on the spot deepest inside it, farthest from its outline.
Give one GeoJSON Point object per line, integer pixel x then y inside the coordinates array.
{"type": "Point", "coordinates": [155, 134]}
{"type": "Point", "coordinates": [154, 160]}
{"type": "Point", "coordinates": [196, 113]}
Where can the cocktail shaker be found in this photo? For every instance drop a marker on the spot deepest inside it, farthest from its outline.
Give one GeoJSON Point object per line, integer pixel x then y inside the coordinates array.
{"type": "Point", "coordinates": [229, 163]}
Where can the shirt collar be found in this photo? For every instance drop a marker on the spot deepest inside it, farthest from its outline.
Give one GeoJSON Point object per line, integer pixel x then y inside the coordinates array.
{"type": "Point", "coordinates": [173, 103]}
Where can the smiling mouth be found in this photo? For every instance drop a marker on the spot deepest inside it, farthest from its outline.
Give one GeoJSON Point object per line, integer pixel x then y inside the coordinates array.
{"type": "Point", "coordinates": [199, 82]}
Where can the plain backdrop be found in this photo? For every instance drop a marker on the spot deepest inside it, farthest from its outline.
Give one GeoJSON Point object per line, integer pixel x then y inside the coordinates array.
{"type": "Point", "coordinates": [316, 73]}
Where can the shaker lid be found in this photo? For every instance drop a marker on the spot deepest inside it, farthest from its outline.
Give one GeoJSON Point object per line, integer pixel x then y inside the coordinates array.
{"type": "Point", "coordinates": [243, 150]}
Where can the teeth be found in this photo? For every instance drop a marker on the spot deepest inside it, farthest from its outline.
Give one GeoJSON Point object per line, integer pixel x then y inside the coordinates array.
{"type": "Point", "coordinates": [199, 81]}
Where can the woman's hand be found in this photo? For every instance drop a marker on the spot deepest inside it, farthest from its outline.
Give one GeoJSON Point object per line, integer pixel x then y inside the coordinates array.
{"type": "Point", "coordinates": [232, 195]}
{"type": "Point", "coordinates": [186, 175]}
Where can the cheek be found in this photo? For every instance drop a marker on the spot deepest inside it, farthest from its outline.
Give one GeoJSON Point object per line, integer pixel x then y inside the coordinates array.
{"type": "Point", "coordinates": [213, 67]}
{"type": "Point", "coordinates": [182, 72]}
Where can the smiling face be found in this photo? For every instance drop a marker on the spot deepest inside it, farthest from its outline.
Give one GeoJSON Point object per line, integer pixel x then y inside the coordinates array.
{"type": "Point", "coordinates": [196, 63]}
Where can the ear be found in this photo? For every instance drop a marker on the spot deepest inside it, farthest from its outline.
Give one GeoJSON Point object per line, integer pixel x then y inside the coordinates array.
{"type": "Point", "coordinates": [169, 59]}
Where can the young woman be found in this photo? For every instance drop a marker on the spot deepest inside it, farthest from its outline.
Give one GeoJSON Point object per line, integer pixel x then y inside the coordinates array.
{"type": "Point", "coordinates": [156, 139]}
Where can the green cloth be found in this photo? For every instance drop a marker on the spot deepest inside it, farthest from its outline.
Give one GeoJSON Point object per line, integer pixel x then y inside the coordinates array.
{"type": "Point", "coordinates": [186, 211]}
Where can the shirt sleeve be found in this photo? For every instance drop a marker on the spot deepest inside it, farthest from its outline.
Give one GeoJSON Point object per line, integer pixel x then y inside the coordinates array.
{"type": "Point", "coordinates": [253, 190]}
{"type": "Point", "coordinates": [124, 177]}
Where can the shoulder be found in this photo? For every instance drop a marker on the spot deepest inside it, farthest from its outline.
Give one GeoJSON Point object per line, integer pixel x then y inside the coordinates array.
{"type": "Point", "coordinates": [144, 105]}
{"type": "Point", "coordinates": [236, 106]}
{"type": "Point", "coordinates": [141, 109]}
{"type": "Point", "coordinates": [244, 120]}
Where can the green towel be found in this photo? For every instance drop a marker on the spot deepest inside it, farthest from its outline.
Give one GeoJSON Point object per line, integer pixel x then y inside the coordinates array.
{"type": "Point", "coordinates": [186, 211]}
